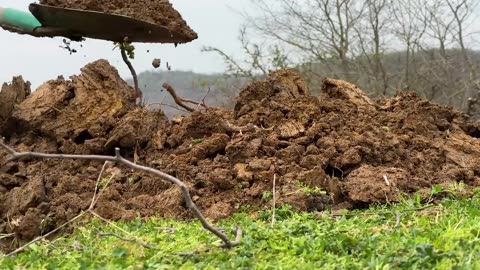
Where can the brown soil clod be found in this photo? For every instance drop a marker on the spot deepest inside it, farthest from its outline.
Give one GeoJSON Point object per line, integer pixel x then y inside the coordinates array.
{"type": "Point", "coordinates": [350, 150]}
{"type": "Point", "coordinates": [11, 95]}
{"type": "Point", "coordinates": [156, 63]}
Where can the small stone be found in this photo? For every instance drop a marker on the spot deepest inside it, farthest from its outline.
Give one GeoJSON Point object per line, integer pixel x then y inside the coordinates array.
{"type": "Point", "coordinates": [156, 63]}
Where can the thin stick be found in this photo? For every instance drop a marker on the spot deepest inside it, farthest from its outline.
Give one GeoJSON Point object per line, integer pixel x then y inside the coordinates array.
{"type": "Point", "coordinates": [238, 237]}
{"type": "Point", "coordinates": [203, 100]}
{"type": "Point", "coordinates": [3, 236]}
{"type": "Point", "coordinates": [102, 190]}
{"type": "Point", "coordinates": [175, 107]}
{"type": "Point", "coordinates": [92, 205]}
{"type": "Point", "coordinates": [386, 180]}
{"type": "Point", "coordinates": [46, 235]}
{"type": "Point", "coordinates": [134, 240]}
{"type": "Point", "coordinates": [99, 178]}
{"type": "Point", "coordinates": [119, 159]}
{"type": "Point", "coordinates": [138, 92]}
{"type": "Point", "coordinates": [274, 200]}
{"type": "Point", "coordinates": [381, 213]}
{"type": "Point", "coordinates": [176, 98]}
{"type": "Point", "coordinates": [110, 223]}
{"type": "Point", "coordinates": [181, 101]}
{"type": "Point", "coordinates": [398, 218]}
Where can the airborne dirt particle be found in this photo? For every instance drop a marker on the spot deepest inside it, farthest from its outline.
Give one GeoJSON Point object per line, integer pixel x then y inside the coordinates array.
{"type": "Point", "coordinates": [156, 63]}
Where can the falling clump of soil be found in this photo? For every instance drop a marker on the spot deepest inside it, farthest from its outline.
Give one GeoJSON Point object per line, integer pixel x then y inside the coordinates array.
{"type": "Point", "coordinates": [159, 12]}
{"type": "Point", "coordinates": [340, 149]}
{"type": "Point", "coordinates": [156, 63]}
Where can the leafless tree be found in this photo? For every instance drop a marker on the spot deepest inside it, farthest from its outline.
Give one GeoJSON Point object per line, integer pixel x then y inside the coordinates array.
{"type": "Point", "coordinates": [372, 36]}
{"type": "Point", "coordinates": [259, 61]}
{"type": "Point", "coordinates": [382, 45]}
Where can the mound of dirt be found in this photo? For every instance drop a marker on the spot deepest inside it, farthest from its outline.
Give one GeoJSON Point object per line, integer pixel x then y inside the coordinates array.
{"type": "Point", "coordinates": [159, 12]}
{"type": "Point", "coordinates": [11, 95]}
{"type": "Point", "coordinates": [340, 149]}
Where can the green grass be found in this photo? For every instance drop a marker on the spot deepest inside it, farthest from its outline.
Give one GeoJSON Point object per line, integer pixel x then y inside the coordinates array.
{"type": "Point", "coordinates": [444, 236]}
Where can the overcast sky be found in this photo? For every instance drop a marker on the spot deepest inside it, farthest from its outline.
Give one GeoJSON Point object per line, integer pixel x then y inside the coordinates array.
{"type": "Point", "coordinates": [41, 59]}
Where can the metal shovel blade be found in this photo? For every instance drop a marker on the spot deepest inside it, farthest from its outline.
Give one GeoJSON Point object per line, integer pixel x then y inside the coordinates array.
{"type": "Point", "coordinates": [99, 25]}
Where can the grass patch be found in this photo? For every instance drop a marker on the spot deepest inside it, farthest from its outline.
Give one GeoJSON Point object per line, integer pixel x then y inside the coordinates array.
{"type": "Point", "coordinates": [444, 236]}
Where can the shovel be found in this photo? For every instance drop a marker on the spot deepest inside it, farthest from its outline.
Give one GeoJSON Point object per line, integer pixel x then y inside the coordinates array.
{"type": "Point", "coordinates": [75, 24]}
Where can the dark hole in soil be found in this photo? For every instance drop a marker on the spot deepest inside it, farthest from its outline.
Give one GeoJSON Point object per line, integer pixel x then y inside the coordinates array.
{"type": "Point", "coordinates": [214, 155]}
{"type": "Point", "coordinates": [199, 185]}
{"type": "Point", "coordinates": [109, 129]}
{"type": "Point", "coordinates": [334, 172]}
{"type": "Point", "coordinates": [82, 137]}
{"type": "Point", "coordinates": [474, 132]}
{"type": "Point", "coordinates": [13, 169]}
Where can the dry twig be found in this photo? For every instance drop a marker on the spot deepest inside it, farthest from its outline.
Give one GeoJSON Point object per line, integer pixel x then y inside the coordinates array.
{"type": "Point", "coordinates": [274, 198]}
{"type": "Point", "coordinates": [3, 236]}
{"type": "Point", "coordinates": [133, 240]}
{"type": "Point", "coordinates": [181, 101]}
{"type": "Point", "coordinates": [238, 236]}
{"type": "Point", "coordinates": [14, 155]}
{"type": "Point", "coordinates": [398, 219]}
{"type": "Point", "coordinates": [138, 92]}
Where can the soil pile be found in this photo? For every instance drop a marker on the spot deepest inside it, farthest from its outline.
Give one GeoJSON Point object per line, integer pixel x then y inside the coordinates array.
{"type": "Point", "coordinates": [340, 149]}
{"type": "Point", "coordinates": [11, 95]}
{"type": "Point", "coordinates": [159, 12]}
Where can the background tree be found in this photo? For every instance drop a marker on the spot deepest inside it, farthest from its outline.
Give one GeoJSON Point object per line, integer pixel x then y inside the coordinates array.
{"type": "Point", "coordinates": [384, 46]}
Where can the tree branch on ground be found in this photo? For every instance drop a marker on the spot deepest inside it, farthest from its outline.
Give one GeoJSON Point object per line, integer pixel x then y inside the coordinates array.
{"type": "Point", "coordinates": [181, 101]}
{"type": "Point", "coordinates": [133, 240]}
{"type": "Point", "coordinates": [14, 155]}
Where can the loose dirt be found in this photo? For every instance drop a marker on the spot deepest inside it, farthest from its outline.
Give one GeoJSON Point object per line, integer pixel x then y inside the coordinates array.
{"type": "Point", "coordinates": [159, 12]}
{"type": "Point", "coordinates": [340, 149]}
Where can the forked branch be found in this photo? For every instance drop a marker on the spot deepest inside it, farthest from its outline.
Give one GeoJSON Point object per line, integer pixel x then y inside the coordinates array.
{"type": "Point", "coordinates": [181, 101]}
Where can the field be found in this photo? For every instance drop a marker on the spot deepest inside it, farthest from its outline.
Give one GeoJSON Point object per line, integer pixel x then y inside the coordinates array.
{"type": "Point", "coordinates": [340, 151]}
{"type": "Point", "coordinates": [93, 178]}
{"type": "Point", "coordinates": [407, 235]}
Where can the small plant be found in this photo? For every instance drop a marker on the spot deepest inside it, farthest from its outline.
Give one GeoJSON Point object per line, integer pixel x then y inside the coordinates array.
{"type": "Point", "coordinates": [437, 189]}
{"type": "Point", "coordinates": [310, 190]}
{"type": "Point", "coordinates": [197, 141]}
{"type": "Point", "coordinates": [131, 180]}
{"type": "Point", "coordinates": [127, 47]}
{"type": "Point", "coordinates": [103, 183]}
{"type": "Point", "coordinates": [46, 223]}
{"type": "Point", "coordinates": [267, 196]}
{"type": "Point", "coordinates": [302, 117]}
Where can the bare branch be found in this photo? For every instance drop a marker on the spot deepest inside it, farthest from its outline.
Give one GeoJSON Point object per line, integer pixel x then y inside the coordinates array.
{"type": "Point", "coordinates": [134, 240]}
{"type": "Point", "coordinates": [180, 101]}
{"type": "Point", "coordinates": [138, 92]}
{"type": "Point", "coordinates": [274, 200]}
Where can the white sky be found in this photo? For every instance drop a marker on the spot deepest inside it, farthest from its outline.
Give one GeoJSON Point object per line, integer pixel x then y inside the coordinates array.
{"type": "Point", "coordinates": [41, 59]}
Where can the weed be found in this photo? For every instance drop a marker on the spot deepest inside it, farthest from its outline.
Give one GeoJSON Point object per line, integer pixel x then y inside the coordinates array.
{"type": "Point", "coordinates": [197, 141]}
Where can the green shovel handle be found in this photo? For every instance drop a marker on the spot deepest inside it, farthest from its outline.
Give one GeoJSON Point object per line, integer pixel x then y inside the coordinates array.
{"type": "Point", "coordinates": [17, 18]}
